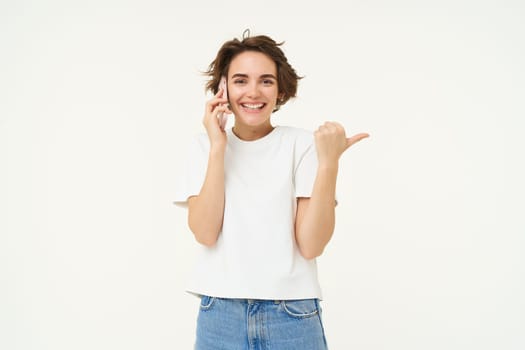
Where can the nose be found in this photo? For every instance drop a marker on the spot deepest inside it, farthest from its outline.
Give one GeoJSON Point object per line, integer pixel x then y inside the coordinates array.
{"type": "Point", "coordinates": [253, 90]}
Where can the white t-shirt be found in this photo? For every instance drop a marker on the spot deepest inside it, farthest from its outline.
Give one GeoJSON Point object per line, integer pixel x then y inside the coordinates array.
{"type": "Point", "coordinates": [256, 256]}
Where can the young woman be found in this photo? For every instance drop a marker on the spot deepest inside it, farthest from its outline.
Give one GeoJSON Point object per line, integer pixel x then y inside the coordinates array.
{"type": "Point", "coordinates": [261, 201]}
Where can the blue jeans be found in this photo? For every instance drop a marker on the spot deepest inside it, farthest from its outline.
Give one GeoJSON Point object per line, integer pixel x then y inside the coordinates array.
{"type": "Point", "coordinates": [246, 324]}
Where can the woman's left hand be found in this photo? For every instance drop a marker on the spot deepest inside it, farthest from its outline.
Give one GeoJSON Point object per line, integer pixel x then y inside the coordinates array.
{"type": "Point", "coordinates": [331, 142]}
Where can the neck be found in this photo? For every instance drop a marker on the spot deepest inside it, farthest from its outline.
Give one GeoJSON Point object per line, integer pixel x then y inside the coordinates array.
{"type": "Point", "coordinates": [251, 133]}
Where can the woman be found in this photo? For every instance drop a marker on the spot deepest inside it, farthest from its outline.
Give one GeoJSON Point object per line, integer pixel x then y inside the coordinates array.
{"type": "Point", "coordinates": [261, 202]}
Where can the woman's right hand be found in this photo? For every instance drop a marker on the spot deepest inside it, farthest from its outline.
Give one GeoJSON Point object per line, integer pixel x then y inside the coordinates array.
{"type": "Point", "coordinates": [214, 107]}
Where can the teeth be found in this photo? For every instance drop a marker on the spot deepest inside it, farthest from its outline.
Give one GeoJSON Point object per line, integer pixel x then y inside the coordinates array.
{"type": "Point", "coordinates": [253, 106]}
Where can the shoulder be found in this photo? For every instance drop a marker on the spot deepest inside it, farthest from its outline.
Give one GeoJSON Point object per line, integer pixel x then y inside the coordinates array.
{"type": "Point", "coordinates": [298, 135]}
{"type": "Point", "coordinates": [300, 140]}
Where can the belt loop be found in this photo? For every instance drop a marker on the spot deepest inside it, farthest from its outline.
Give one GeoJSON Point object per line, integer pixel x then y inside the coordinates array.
{"type": "Point", "coordinates": [318, 303]}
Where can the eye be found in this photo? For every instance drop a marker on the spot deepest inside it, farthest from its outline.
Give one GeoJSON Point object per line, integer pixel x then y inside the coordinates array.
{"type": "Point", "coordinates": [239, 81]}
{"type": "Point", "coordinates": [268, 82]}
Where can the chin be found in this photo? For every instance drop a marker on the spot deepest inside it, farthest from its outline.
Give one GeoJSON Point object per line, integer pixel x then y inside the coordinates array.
{"type": "Point", "coordinates": [254, 120]}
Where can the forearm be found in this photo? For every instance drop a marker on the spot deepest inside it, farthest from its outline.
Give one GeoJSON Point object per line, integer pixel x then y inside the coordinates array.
{"type": "Point", "coordinates": [317, 225]}
{"type": "Point", "coordinates": [206, 210]}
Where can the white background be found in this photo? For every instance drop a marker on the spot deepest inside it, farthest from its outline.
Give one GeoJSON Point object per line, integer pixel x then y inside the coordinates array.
{"type": "Point", "coordinates": [99, 98]}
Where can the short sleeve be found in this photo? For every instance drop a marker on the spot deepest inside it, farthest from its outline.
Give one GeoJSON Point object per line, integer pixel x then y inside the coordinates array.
{"type": "Point", "coordinates": [305, 172]}
{"type": "Point", "coordinates": [193, 171]}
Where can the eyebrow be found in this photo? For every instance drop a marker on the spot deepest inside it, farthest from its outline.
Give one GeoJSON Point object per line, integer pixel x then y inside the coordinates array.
{"type": "Point", "coordinates": [242, 75]}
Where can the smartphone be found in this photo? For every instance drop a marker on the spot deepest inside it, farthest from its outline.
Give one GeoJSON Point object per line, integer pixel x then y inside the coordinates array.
{"type": "Point", "coordinates": [223, 118]}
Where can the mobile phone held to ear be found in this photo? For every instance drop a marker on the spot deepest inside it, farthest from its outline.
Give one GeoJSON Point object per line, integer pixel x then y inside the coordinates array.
{"type": "Point", "coordinates": [223, 118]}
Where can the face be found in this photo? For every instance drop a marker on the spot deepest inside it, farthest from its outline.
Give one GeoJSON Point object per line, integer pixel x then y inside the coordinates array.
{"type": "Point", "coordinates": [252, 90]}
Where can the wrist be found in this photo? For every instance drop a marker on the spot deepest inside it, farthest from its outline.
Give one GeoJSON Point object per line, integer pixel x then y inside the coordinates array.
{"type": "Point", "coordinates": [217, 149]}
{"type": "Point", "coordinates": [328, 166]}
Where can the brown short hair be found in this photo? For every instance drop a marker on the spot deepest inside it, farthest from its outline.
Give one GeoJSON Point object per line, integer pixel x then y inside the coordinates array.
{"type": "Point", "coordinates": [287, 78]}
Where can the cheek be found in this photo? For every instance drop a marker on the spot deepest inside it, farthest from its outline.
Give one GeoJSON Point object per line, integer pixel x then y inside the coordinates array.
{"type": "Point", "coordinates": [233, 94]}
{"type": "Point", "coordinates": [273, 93]}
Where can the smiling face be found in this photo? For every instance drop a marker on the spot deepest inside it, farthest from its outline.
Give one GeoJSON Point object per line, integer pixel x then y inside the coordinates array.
{"type": "Point", "coordinates": [252, 92]}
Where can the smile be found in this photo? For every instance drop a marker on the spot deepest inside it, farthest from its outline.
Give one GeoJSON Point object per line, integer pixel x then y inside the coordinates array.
{"type": "Point", "coordinates": [253, 106]}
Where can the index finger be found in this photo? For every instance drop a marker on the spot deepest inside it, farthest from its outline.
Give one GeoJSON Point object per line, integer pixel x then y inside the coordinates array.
{"type": "Point", "coordinates": [214, 102]}
{"type": "Point", "coordinates": [220, 91]}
